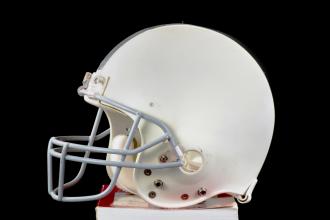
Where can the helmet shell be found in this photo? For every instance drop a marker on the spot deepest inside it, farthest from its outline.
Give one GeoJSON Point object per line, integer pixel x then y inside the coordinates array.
{"type": "Point", "coordinates": [213, 96]}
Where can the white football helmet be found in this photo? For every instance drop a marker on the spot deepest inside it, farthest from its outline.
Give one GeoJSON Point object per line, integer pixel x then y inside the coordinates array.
{"type": "Point", "coordinates": [191, 116]}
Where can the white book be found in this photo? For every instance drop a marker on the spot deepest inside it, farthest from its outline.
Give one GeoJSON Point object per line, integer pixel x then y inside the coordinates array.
{"type": "Point", "coordinates": [127, 207]}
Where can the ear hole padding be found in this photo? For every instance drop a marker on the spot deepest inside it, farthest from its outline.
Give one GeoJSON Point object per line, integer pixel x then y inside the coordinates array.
{"type": "Point", "coordinates": [193, 161]}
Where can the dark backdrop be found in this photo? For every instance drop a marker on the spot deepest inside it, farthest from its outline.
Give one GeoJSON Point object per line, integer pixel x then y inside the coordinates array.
{"type": "Point", "coordinates": [53, 50]}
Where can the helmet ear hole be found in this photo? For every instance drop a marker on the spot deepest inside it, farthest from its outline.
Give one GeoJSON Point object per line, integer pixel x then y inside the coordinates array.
{"type": "Point", "coordinates": [193, 161]}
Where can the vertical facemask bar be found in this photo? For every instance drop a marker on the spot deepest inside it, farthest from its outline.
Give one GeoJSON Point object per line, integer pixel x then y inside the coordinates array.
{"type": "Point", "coordinates": [62, 172]}
{"type": "Point", "coordinates": [91, 140]}
{"type": "Point", "coordinates": [61, 185]}
{"type": "Point", "coordinates": [50, 168]}
{"type": "Point", "coordinates": [132, 132]}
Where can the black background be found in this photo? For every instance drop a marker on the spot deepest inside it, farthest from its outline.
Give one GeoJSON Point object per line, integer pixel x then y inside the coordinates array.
{"type": "Point", "coordinates": [50, 50]}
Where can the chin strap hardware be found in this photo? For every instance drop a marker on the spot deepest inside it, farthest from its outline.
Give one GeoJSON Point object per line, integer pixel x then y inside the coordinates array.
{"type": "Point", "coordinates": [247, 196]}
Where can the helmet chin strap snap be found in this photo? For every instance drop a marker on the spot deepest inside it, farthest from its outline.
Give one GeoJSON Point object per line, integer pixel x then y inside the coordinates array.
{"type": "Point", "coordinates": [192, 161]}
{"type": "Point", "coordinates": [247, 196]}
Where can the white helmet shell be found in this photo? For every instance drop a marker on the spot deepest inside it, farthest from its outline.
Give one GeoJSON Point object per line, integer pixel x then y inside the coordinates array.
{"type": "Point", "coordinates": [212, 94]}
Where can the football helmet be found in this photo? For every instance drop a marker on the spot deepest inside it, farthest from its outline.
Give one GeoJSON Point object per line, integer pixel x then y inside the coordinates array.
{"type": "Point", "coordinates": [190, 113]}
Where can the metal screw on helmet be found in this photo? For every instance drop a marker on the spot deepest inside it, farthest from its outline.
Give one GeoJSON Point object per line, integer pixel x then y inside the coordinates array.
{"type": "Point", "coordinates": [163, 158]}
{"type": "Point", "coordinates": [201, 191]}
{"type": "Point", "coordinates": [152, 194]}
{"type": "Point", "coordinates": [159, 183]}
{"type": "Point", "coordinates": [98, 79]}
{"type": "Point", "coordinates": [184, 196]}
{"type": "Point", "coordinates": [147, 172]}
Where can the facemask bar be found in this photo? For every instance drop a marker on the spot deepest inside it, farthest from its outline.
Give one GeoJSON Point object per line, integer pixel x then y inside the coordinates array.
{"type": "Point", "coordinates": [65, 147]}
